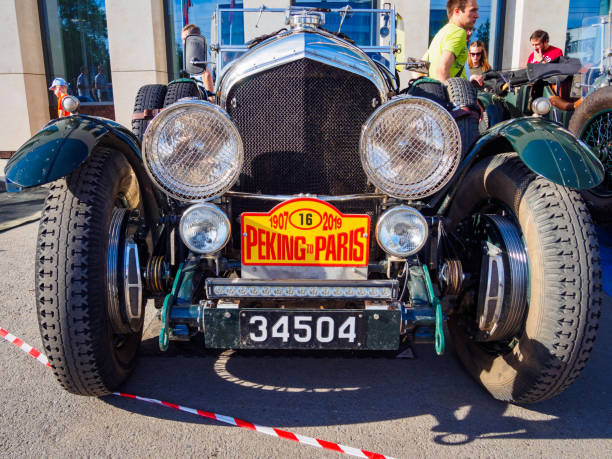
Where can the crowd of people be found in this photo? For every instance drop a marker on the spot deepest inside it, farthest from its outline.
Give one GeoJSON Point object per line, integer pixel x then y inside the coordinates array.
{"type": "Point", "coordinates": [451, 54]}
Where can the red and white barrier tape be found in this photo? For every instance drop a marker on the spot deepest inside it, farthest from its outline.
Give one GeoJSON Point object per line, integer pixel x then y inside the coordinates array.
{"type": "Point", "coordinates": [217, 417]}
{"type": "Point", "coordinates": [25, 347]}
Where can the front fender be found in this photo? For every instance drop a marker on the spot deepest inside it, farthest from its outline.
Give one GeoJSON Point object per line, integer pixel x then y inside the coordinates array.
{"type": "Point", "coordinates": [548, 150]}
{"type": "Point", "coordinates": [62, 146]}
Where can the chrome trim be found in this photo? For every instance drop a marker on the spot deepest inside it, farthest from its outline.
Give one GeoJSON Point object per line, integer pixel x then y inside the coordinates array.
{"type": "Point", "coordinates": [541, 106]}
{"type": "Point", "coordinates": [133, 311]}
{"type": "Point", "coordinates": [115, 234]}
{"type": "Point", "coordinates": [286, 197]}
{"type": "Point", "coordinates": [216, 210]}
{"type": "Point", "coordinates": [316, 45]}
{"type": "Point", "coordinates": [304, 272]}
{"type": "Point", "coordinates": [220, 48]}
{"type": "Point", "coordinates": [393, 210]}
{"type": "Point", "coordinates": [492, 304]}
{"type": "Point", "coordinates": [148, 139]}
{"type": "Point", "coordinates": [390, 288]}
{"type": "Point", "coordinates": [452, 144]}
{"type": "Point", "coordinates": [71, 104]}
{"type": "Point", "coordinates": [519, 274]}
{"type": "Point", "coordinates": [507, 317]}
{"type": "Point", "coordinates": [305, 19]}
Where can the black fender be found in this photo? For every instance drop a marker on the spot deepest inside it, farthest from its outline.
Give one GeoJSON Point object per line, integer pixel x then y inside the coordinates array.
{"type": "Point", "coordinates": [66, 143]}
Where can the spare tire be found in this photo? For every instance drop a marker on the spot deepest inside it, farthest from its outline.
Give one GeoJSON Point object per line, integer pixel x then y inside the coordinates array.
{"type": "Point", "coordinates": [148, 97]}
{"type": "Point", "coordinates": [180, 89]}
{"type": "Point", "coordinates": [461, 93]}
{"type": "Point", "coordinates": [591, 123]}
{"type": "Point", "coordinates": [462, 96]}
{"type": "Point", "coordinates": [430, 89]}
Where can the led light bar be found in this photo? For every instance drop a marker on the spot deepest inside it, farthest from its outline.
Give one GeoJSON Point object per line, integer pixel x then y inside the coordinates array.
{"type": "Point", "coordinates": [242, 288]}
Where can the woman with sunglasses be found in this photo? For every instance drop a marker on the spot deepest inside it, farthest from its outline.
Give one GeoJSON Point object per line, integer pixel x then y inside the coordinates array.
{"type": "Point", "coordinates": [477, 58]}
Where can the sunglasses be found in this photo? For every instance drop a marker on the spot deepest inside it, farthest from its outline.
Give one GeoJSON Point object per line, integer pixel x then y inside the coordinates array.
{"type": "Point", "coordinates": [475, 54]}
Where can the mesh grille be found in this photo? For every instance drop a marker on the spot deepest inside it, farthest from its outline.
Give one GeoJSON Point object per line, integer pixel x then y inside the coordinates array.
{"type": "Point", "coordinates": [300, 125]}
{"type": "Point", "coordinates": [411, 148]}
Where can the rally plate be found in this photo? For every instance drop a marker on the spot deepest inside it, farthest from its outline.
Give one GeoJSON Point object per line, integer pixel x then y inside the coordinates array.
{"type": "Point", "coordinates": [312, 329]}
{"type": "Point", "coordinates": [304, 232]}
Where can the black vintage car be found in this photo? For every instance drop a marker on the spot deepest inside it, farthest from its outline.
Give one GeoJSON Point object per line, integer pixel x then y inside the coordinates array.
{"type": "Point", "coordinates": [314, 206]}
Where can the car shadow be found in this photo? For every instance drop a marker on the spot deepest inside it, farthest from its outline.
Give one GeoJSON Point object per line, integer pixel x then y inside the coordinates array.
{"type": "Point", "coordinates": [295, 389]}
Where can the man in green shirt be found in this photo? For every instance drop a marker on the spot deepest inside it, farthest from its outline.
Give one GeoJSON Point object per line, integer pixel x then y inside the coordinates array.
{"type": "Point", "coordinates": [447, 53]}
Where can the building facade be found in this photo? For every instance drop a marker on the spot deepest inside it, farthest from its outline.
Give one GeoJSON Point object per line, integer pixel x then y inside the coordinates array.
{"type": "Point", "coordinates": [107, 49]}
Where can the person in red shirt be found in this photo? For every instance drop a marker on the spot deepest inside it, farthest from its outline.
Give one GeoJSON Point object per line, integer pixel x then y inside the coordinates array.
{"type": "Point", "coordinates": [542, 51]}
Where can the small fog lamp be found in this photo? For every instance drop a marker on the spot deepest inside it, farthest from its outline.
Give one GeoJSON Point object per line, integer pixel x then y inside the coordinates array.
{"type": "Point", "coordinates": [204, 228]}
{"type": "Point", "coordinates": [401, 231]}
{"type": "Point", "coordinates": [541, 106]}
{"type": "Point", "coordinates": [70, 104]}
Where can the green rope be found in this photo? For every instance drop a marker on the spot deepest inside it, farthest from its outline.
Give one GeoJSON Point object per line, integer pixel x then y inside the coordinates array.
{"type": "Point", "coordinates": [439, 335]}
{"type": "Point", "coordinates": [164, 334]}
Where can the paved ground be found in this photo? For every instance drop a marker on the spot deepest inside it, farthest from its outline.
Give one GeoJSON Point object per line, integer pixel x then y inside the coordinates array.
{"type": "Point", "coordinates": [19, 208]}
{"type": "Point", "coordinates": [427, 407]}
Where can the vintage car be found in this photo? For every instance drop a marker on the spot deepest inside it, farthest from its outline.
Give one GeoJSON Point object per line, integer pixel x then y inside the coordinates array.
{"type": "Point", "coordinates": [580, 96]}
{"type": "Point", "coordinates": [315, 205]}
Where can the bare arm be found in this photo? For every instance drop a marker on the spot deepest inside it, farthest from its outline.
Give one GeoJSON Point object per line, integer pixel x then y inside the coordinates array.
{"type": "Point", "coordinates": [443, 70]}
{"type": "Point", "coordinates": [208, 81]}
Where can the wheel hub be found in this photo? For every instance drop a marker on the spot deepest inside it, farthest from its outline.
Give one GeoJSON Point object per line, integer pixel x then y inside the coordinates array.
{"type": "Point", "coordinates": [598, 135]}
{"type": "Point", "coordinates": [123, 276]}
{"type": "Point", "coordinates": [502, 294]}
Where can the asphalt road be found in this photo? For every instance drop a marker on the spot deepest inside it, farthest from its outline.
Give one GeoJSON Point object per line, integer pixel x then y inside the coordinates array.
{"type": "Point", "coordinates": [423, 407]}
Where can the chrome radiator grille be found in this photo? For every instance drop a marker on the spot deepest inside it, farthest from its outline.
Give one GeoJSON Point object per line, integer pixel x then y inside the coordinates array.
{"type": "Point", "coordinates": [300, 125]}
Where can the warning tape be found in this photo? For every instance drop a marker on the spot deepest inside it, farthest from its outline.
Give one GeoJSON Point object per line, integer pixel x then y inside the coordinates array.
{"type": "Point", "coordinates": [25, 347]}
{"type": "Point", "coordinates": [303, 439]}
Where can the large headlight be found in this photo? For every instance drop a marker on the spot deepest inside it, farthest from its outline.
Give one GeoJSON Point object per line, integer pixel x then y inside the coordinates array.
{"type": "Point", "coordinates": [401, 231]}
{"type": "Point", "coordinates": [193, 151]}
{"type": "Point", "coordinates": [410, 147]}
{"type": "Point", "coordinates": [204, 228]}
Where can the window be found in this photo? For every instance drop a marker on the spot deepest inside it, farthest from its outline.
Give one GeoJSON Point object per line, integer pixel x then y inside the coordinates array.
{"type": "Point", "coordinates": [482, 29]}
{"type": "Point", "coordinates": [75, 44]}
{"type": "Point", "coordinates": [179, 13]}
{"type": "Point", "coordinates": [358, 28]}
{"type": "Point", "coordinates": [583, 39]}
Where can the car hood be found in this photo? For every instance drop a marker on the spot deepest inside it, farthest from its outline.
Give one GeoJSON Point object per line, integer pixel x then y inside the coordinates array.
{"type": "Point", "coordinates": [290, 46]}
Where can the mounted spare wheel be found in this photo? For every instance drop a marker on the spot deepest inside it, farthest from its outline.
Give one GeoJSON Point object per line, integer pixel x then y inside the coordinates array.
{"type": "Point", "coordinates": [180, 89]}
{"type": "Point", "coordinates": [89, 294]}
{"type": "Point", "coordinates": [462, 97]}
{"type": "Point", "coordinates": [149, 101]}
{"type": "Point", "coordinates": [527, 312]}
{"type": "Point", "coordinates": [592, 123]}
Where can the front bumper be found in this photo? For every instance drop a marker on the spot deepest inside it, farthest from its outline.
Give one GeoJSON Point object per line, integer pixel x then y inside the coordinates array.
{"type": "Point", "coordinates": [368, 310]}
{"type": "Point", "coordinates": [373, 290]}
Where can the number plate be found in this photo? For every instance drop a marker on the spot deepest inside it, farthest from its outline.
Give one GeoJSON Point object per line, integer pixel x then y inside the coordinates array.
{"type": "Point", "coordinates": [305, 232]}
{"type": "Point", "coordinates": [302, 329]}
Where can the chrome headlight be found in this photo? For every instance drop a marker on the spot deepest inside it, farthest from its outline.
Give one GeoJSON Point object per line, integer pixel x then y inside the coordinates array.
{"type": "Point", "coordinates": [541, 106]}
{"type": "Point", "coordinates": [204, 228]}
{"type": "Point", "coordinates": [410, 147]}
{"type": "Point", "coordinates": [401, 231]}
{"type": "Point", "coordinates": [193, 151]}
{"type": "Point", "coordinates": [70, 104]}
